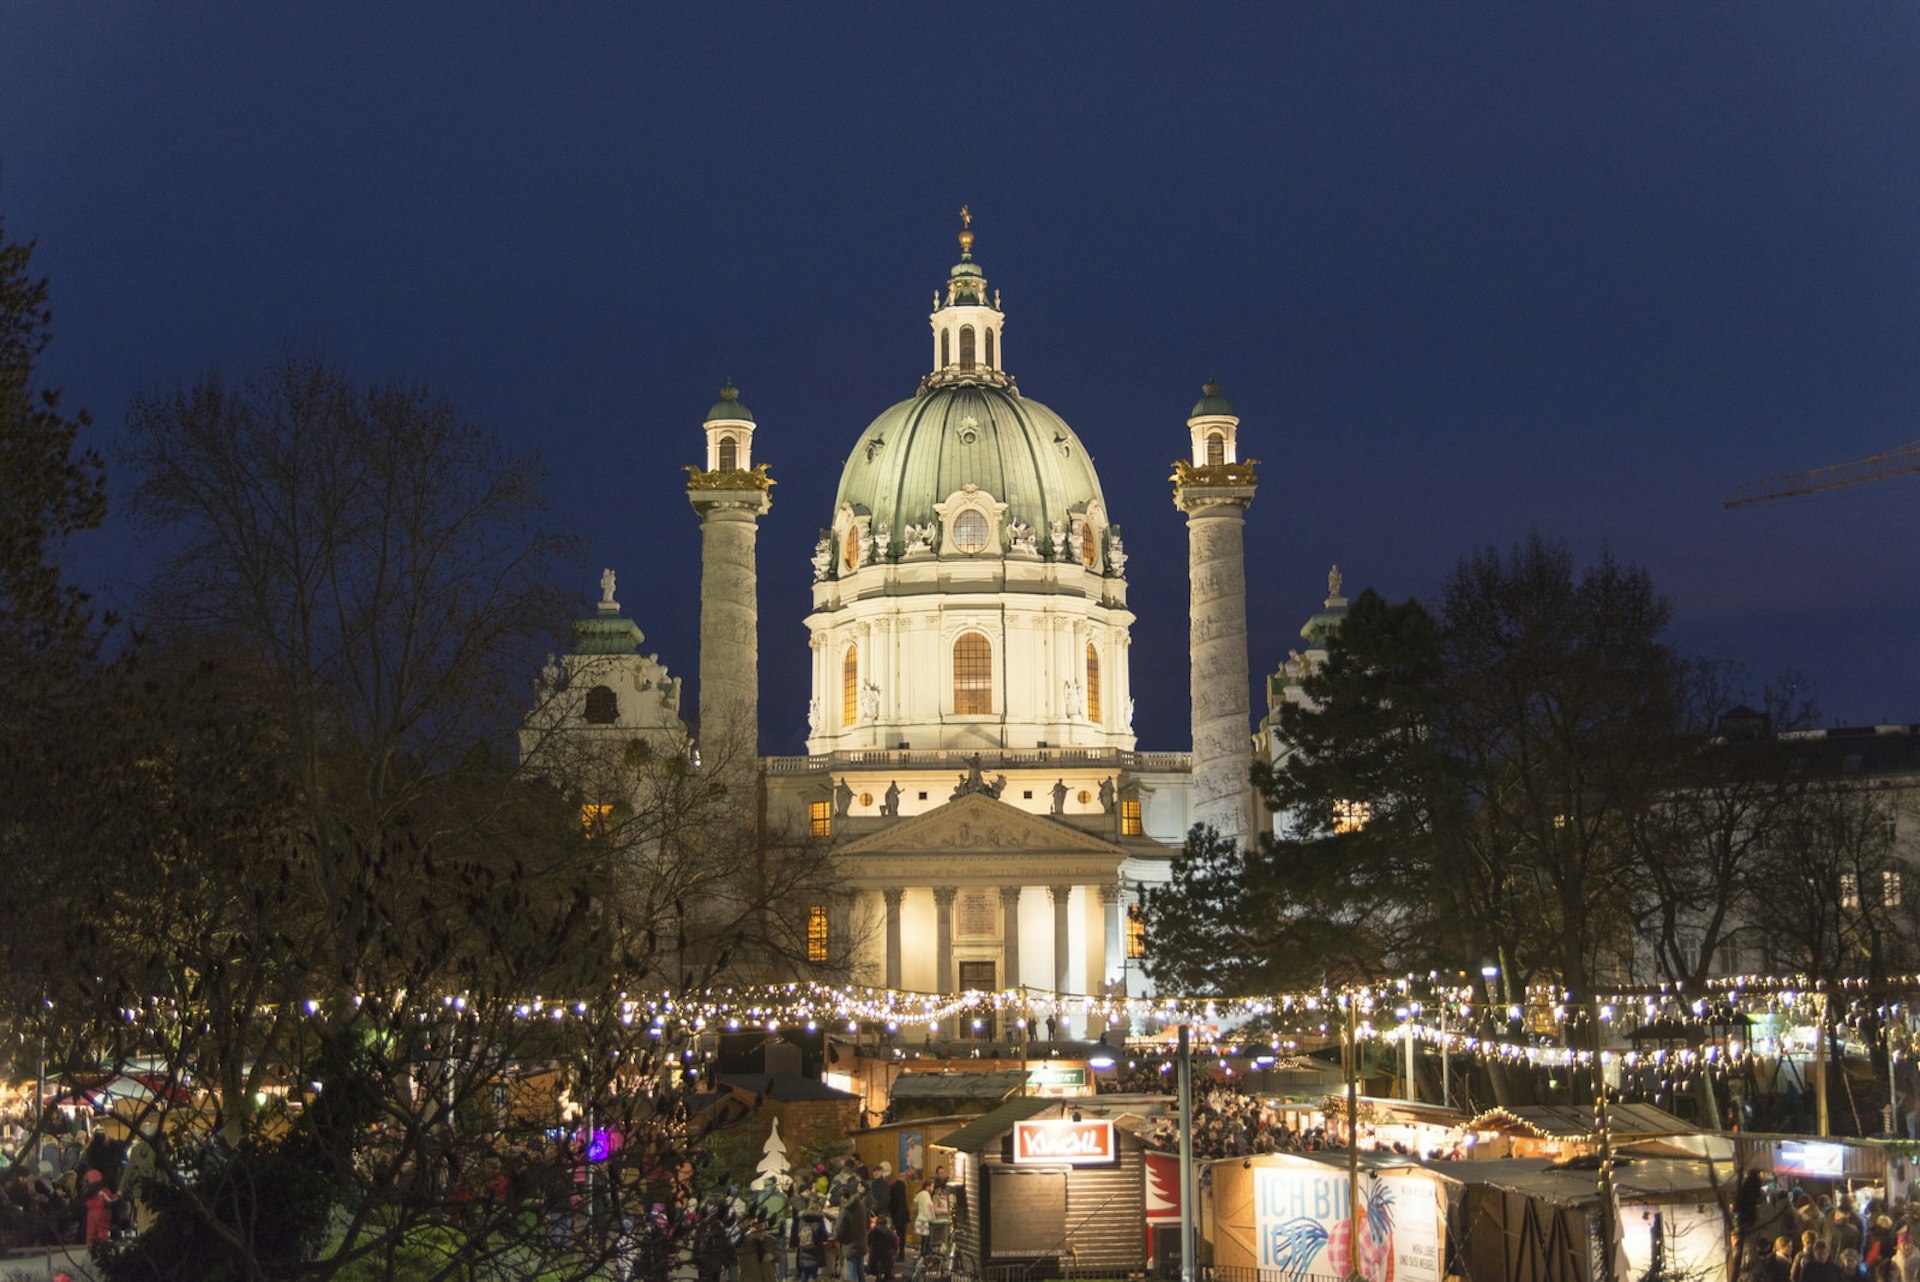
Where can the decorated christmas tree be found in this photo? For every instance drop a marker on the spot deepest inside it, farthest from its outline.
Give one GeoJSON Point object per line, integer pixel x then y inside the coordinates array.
{"type": "Point", "coordinates": [773, 1159]}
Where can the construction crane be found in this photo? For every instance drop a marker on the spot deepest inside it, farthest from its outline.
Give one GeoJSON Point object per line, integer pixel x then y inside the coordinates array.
{"type": "Point", "coordinates": [1875, 467]}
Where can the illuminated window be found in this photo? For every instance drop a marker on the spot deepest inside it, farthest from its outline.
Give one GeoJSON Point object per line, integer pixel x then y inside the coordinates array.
{"type": "Point", "coordinates": [972, 675]}
{"type": "Point", "coordinates": [850, 547]}
{"type": "Point", "coordinates": [820, 819]}
{"type": "Point", "coordinates": [1216, 449]}
{"type": "Point", "coordinates": [850, 686]}
{"type": "Point", "coordinates": [946, 350]}
{"type": "Point", "coordinates": [1559, 821]}
{"type": "Point", "coordinates": [817, 933]}
{"type": "Point", "coordinates": [594, 819]}
{"type": "Point", "coordinates": [1136, 933]}
{"type": "Point", "coordinates": [1351, 816]}
{"type": "Point", "coordinates": [966, 347]}
{"type": "Point", "coordinates": [970, 530]}
{"type": "Point", "coordinates": [1849, 890]}
{"type": "Point", "coordinates": [1089, 548]}
{"type": "Point", "coordinates": [1890, 886]}
{"type": "Point", "coordinates": [729, 454]}
{"type": "Point", "coordinates": [1093, 685]}
{"type": "Point", "coordinates": [1130, 819]}
{"type": "Point", "coordinates": [991, 364]}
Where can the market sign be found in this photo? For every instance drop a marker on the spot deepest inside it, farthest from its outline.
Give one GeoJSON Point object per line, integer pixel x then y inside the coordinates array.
{"type": "Point", "coordinates": [1061, 1142]}
{"type": "Point", "coordinates": [1794, 1158]}
{"type": "Point", "coordinates": [1300, 1222]}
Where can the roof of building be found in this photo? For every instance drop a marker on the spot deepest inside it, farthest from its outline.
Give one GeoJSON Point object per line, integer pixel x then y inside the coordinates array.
{"type": "Point", "coordinates": [729, 406]}
{"type": "Point", "coordinates": [978, 1086]}
{"type": "Point", "coordinates": [1211, 404]}
{"type": "Point", "coordinates": [1568, 1121]}
{"type": "Point", "coordinates": [784, 1088]}
{"type": "Point", "coordinates": [922, 450]}
{"type": "Point", "coordinates": [989, 1127]}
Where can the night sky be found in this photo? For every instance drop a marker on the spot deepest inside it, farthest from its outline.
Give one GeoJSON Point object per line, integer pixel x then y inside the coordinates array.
{"type": "Point", "coordinates": [1466, 272]}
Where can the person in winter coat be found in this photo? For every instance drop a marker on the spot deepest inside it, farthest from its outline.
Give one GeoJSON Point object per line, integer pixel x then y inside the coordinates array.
{"type": "Point", "coordinates": [1777, 1267]}
{"type": "Point", "coordinates": [98, 1200]}
{"type": "Point", "coordinates": [851, 1233]}
{"type": "Point", "coordinates": [712, 1252]}
{"type": "Point", "coordinates": [810, 1252]}
{"type": "Point", "coordinates": [883, 1248]}
{"type": "Point", "coordinates": [758, 1254]}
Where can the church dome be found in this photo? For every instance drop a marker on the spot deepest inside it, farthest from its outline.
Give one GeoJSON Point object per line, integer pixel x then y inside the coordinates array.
{"type": "Point", "coordinates": [922, 450]}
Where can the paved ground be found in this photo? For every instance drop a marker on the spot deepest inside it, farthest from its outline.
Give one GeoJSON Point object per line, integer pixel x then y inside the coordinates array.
{"type": "Point", "coordinates": [42, 1267]}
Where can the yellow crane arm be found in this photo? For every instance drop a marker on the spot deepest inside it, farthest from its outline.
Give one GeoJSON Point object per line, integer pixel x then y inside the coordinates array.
{"type": "Point", "coordinates": [1875, 467]}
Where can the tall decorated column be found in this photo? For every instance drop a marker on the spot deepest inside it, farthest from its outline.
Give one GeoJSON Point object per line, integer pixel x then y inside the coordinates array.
{"type": "Point", "coordinates": [1213, 487]}
{"type": "Point", "coordinates": [730, 494]}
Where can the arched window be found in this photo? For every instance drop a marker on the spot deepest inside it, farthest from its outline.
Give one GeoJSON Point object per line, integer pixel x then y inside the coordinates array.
{"type": "Point", "coordinates": [603, 706]}
{"type": "Point", "coordinates": [850, 686]}
{"type": "Point", "coordinates": [1093, 686]}
{"type": "Point", "coordinates": [970, 530]}
{"type": "Point", "coordinates": [972, 675]}
{"type": "Point", "coordinates": [946, 349]}
{"type": "Point", "coordinates": [1089, 545]}
{"type": "Point", "coordinates": [850, 547]}
{"type": "Point", "coordinates": [729, 454]}
{"type": "Point", "coordinates": [1216, 449]}
{"type": "Point", "coordinates": [966, 347]}
{"type": "Point", "coordinates": [991, 362]}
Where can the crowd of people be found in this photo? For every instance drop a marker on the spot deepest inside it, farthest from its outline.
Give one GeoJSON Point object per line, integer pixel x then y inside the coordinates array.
{"type": "Point", "coordinates": [851, 1223]}
{"type": "Point", "coordinates": [69, 1189]}
{"type": "Point", "coordinates": [1789, 1235]}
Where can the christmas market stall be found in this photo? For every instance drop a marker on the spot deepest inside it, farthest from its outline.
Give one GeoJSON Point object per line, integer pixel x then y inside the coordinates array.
{"type": "Point", "coordinates": [1049, 1185]}
{"type": "Point", "coordinates": [1286, 1215]}
{"type": "Point", "coordinates": [1830, 1164]}
{"type": "Point", "coordinates": [1562, 1131]}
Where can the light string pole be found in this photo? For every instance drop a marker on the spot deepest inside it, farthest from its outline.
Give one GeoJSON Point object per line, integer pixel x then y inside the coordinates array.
{"type": "Point", "coordinates": [1187, 1270]}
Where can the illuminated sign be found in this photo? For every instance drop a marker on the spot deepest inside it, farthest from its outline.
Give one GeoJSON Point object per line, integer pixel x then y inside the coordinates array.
{"type": "Point", "coordinates": [1794, 1158]}
{"type": "Point", "coordinates": [1061, 1142]}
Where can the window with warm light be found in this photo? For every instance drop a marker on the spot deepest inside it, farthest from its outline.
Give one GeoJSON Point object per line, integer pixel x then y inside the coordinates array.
{"type": "Point", "coordinates": [1130, 819]}
{"type": "Point", "coordinates": [817, 933]}
{"type": "Point", "coordinates": [729, 454]}
{"type": "Point", "coordinates": [1890, 886]}
{"type": "Point", "coordinates": [1089, 545]}
{"type": "Point", "coordinates": [1093, 685]}
{"type": "Point", "coordinates": [594, 820]}
{"type": "Point", "coordinates": [966, 347]}
{"type": "Point", "coordinates": [850, 686]}
{"type": "Point", "coordinates": [850, 548]}
{"type": "Point", "coordinates": [1849, 890]}
{"type": "Point", "coordinates": [972, 675]}
{"type": "Point", "coordinates": [1136, 932]}
{"type": "Point", "coordinates": [1216, 449]}
{"type": "Point", "coordinates": [970, 530]}
{"type": "Point", "coordinates": [1351, 816]}
{"type": "Point", "coordinates": [820, 819]}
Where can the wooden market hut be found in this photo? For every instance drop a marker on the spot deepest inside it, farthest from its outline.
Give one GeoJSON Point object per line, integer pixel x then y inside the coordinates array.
{"type": "Point", "coordinates": [1083, 1209]}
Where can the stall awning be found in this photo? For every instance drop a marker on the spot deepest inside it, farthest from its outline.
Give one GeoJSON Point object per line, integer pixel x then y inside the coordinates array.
{"type": "Point", "coordinates": [984, 1130]}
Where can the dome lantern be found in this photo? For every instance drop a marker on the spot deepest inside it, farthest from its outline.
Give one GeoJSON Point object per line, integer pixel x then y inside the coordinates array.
{"type": "Point", "coordinates": [1214, 428]}
{"type": "Point", "coordinates": [729, 429]}
{"type": "Point", "coordinates": [967, 329]}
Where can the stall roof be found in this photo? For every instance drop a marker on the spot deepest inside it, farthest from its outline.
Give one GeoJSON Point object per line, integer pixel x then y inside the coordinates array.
{"type": "Point", "coordinates": [1637, 1180]}
{"type": "Point", "coordinates": [989, 1127]}
{"type": "Point", "coordinates": [784, 1087]}
{"type": "Point", "coordinates": [975, 1086]}
{"type": "Point", "coordinates": [1575, 1121]}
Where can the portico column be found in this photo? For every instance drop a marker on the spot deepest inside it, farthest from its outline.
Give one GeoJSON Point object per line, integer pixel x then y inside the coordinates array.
{"type": "Point", "coordinates": [1010, 932]}
{"type": "Point", "coordinates": [1112, 909]}
{"type": "Point", "coordinates": [1062, 952]}
{"type": "Point", "coordinates": [893, 894]}
{"type": "Point", "coordinates": [943, 897]}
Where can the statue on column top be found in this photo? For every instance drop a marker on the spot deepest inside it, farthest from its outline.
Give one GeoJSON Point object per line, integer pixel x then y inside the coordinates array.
{"type": "Point", "coordinates": [606, 588]}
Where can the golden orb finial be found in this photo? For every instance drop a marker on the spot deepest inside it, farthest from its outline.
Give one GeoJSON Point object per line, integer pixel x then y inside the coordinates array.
{"type": "Point", "coordinates": [966, 230]}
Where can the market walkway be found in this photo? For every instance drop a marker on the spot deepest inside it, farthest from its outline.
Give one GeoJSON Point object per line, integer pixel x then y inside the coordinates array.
{"type": "Point", "coordinates": [41, 1266]}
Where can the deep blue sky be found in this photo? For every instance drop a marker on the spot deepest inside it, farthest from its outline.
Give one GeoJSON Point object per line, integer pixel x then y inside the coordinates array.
{"type": "Point", "coordinates": [1466, 271]}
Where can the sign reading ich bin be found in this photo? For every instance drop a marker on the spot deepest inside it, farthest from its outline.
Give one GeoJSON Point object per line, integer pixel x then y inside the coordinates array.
{"type": "Point", "coordinates": [1060, 1142]}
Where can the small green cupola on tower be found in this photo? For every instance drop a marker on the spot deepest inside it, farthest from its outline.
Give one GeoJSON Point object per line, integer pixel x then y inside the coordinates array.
{"type": "Point", "coordinates": [1214, 427]}
{"type": "Point", "coordinates": [967, 328]}
{"type": "Point", "coordinates": [729, 428]}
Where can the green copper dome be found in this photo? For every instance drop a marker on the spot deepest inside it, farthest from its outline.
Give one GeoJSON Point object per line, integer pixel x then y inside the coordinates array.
{"type": "Point", "coordinates": [1211, 404]}
{"type": "Point", "coordinates": [729, 406]}
{"type": "Point", "coordinates": [920, 451]}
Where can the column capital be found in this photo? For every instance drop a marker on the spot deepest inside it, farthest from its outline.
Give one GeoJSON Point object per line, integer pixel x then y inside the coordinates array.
{"type": "Point", "coordinates": [1110, 893]}
{"type": "Point", "coordinates": [1059, 893]}
{"type": "Point", "coordinates": [1010, 894]}
{"type": "Point", "coordinates": [945, 895]}
{"type": "Point", "coordinates": [892, 895]}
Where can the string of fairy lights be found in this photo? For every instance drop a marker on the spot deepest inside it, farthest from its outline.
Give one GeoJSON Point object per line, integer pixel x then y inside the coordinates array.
{"type": "Point", "coordinates": [1721, 1026]}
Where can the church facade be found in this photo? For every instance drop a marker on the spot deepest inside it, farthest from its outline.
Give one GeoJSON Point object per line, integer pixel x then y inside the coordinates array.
{"type": "Point", "coordinates": [971, 762]}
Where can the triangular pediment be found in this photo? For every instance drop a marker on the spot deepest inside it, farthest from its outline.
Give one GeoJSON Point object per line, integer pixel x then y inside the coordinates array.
{"type": "Point", "coordinates": [978, 822]}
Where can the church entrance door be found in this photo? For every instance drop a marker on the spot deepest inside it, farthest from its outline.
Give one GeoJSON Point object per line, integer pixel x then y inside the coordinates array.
{"type": "Point", "coordinates": [978, 976]}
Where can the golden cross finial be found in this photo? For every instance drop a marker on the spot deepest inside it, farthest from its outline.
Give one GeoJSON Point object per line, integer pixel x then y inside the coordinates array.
{"type": "Point", "coordinates": [966, 219]}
